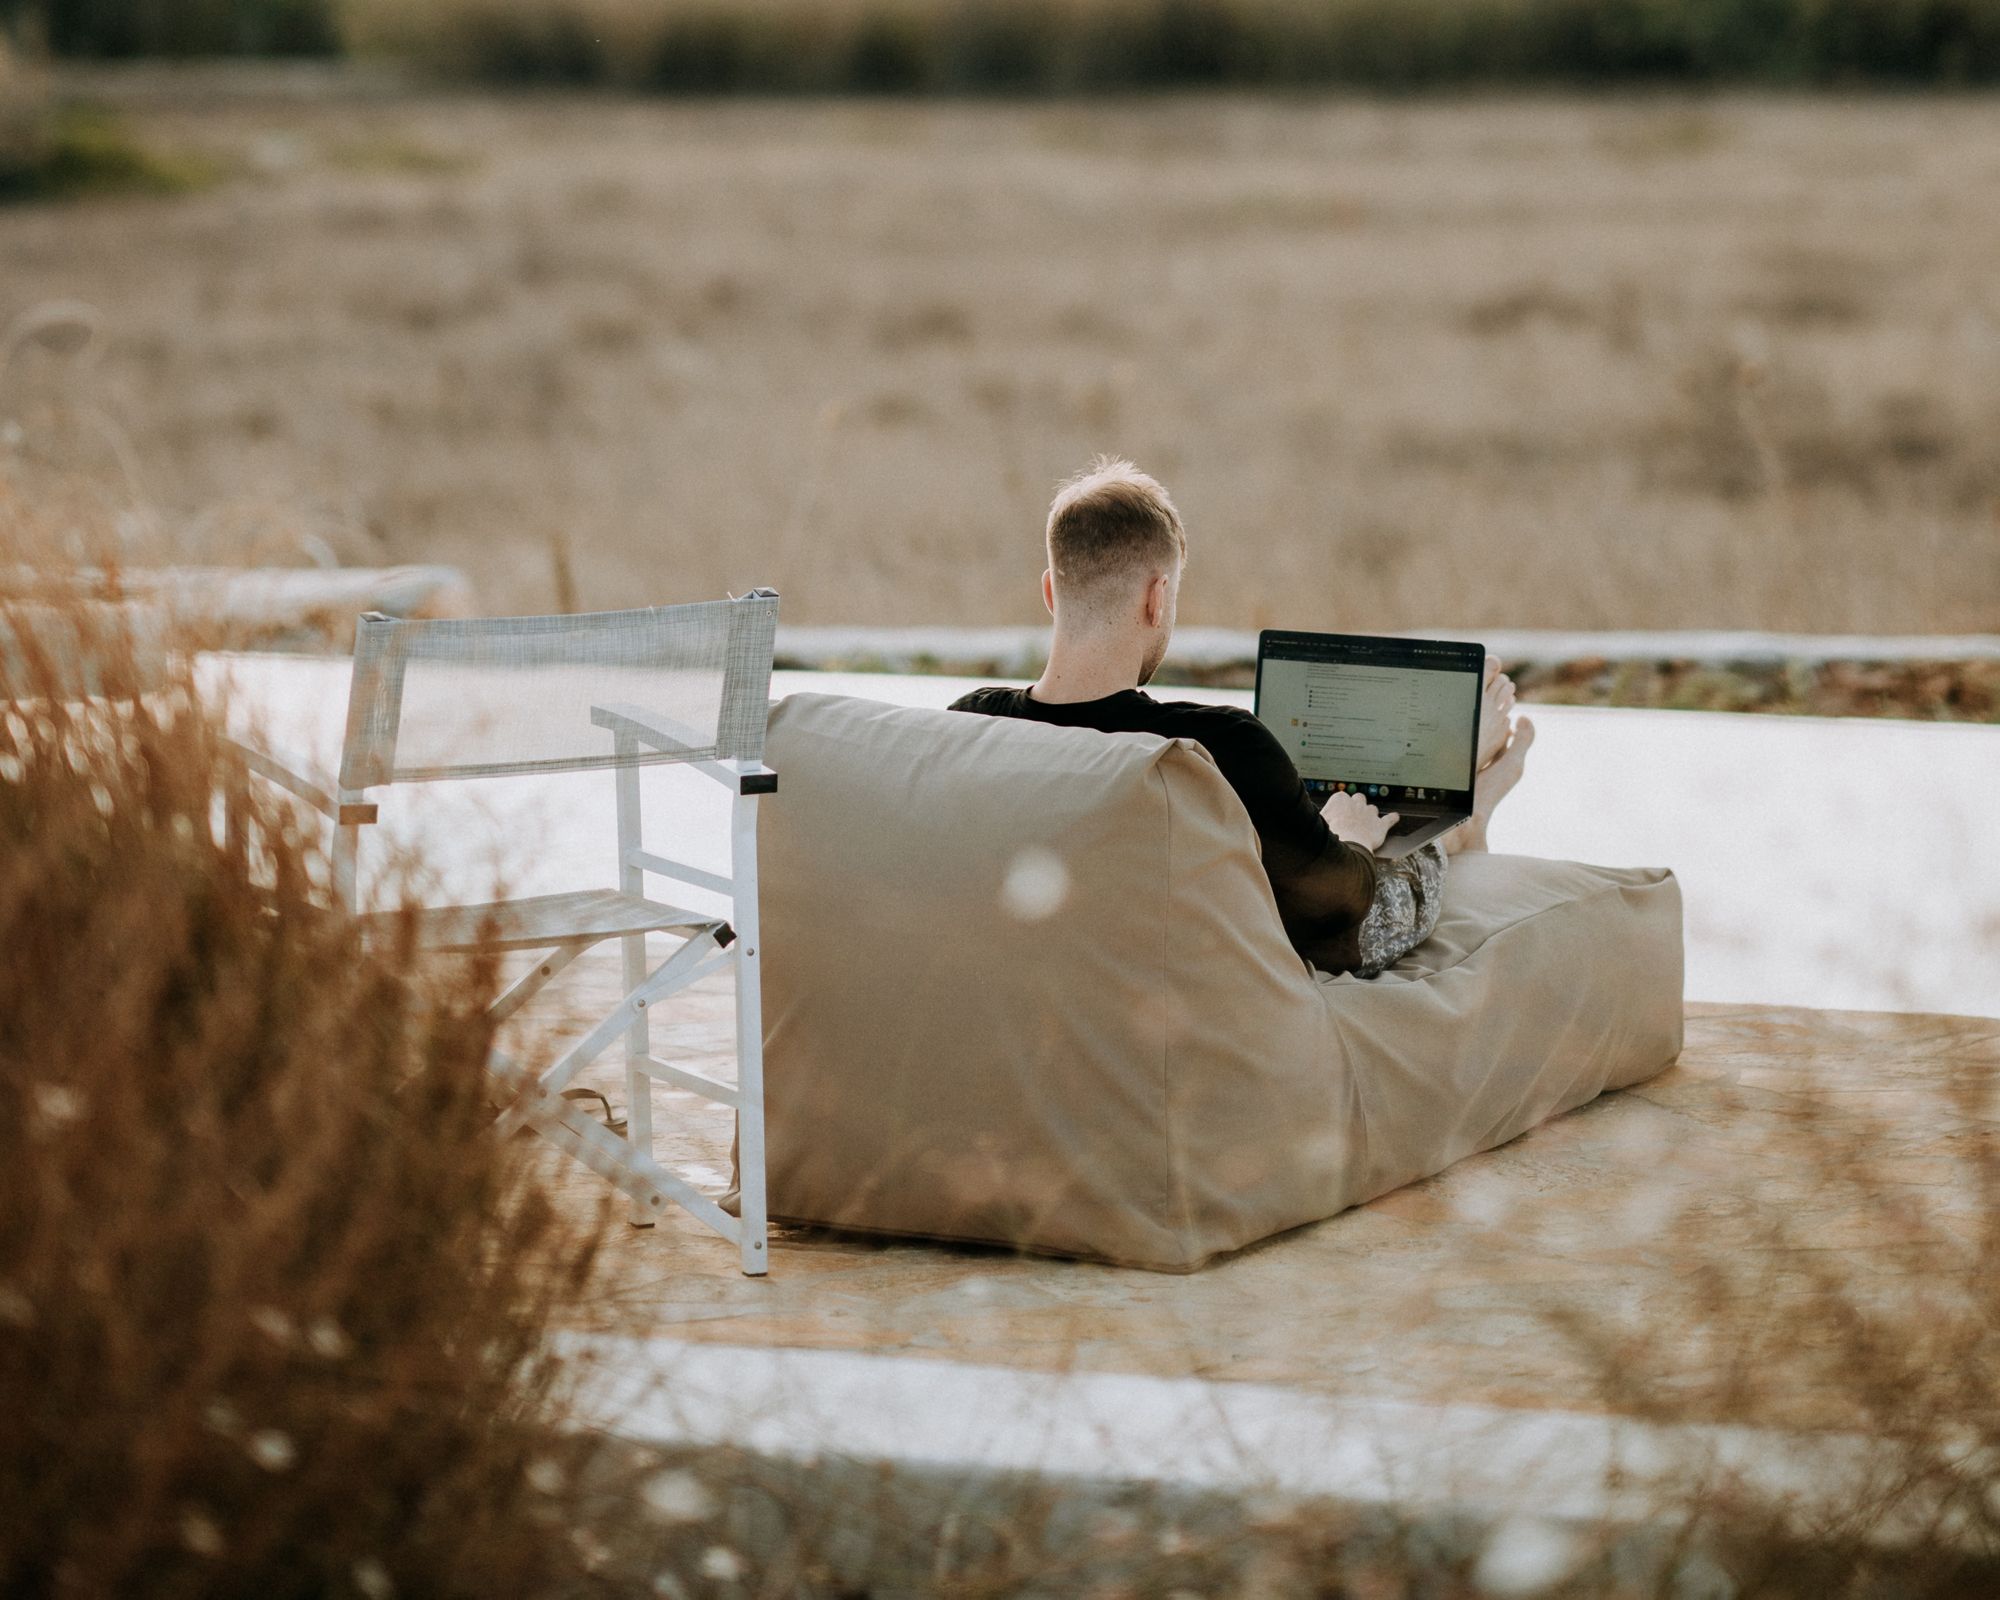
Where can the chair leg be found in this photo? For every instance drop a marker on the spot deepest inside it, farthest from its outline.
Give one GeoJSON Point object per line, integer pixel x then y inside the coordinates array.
{"type": "Point", "coordinates": [752, 1228]}
{"type": "Point", "coordinates": [638, 1086]}
{"type": "Point", "coordinates": [346, 851]}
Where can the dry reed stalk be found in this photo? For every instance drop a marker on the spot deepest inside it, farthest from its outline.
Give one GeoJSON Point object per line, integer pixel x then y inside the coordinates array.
{"type": "Point", "coordinates": [1908, 1365]}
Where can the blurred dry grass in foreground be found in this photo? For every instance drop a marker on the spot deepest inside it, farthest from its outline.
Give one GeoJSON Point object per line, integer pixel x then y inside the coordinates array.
{"type": "Point", "coordinates": [1659, 363]}
{"type": "Point", "coordinates": [272, 1298]}
{"type": "Point", "coordinates": [1855, 1286]}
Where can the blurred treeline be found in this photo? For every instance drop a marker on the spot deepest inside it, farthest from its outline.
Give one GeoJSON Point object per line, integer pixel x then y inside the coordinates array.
{"type": "Point", "coordinates": [1053, 46]}
{"type": "Point", "coordinates": [113, 29]}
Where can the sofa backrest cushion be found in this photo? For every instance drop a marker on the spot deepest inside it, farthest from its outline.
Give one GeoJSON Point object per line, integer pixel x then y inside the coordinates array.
{"type": "Point", "coordinates": [1027, 984]}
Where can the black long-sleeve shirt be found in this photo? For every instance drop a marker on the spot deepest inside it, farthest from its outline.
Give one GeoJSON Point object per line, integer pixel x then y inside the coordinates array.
{"type": "Point", "coordinates": [1343, 910]}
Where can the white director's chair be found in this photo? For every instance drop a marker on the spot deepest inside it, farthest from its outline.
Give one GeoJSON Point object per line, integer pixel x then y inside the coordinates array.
{"type": "Point", "coordinates": [432, 701]}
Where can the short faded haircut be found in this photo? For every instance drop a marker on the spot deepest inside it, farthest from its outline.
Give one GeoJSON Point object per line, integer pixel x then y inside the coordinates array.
{"type": "Point", "coordinates": [1109, 522]}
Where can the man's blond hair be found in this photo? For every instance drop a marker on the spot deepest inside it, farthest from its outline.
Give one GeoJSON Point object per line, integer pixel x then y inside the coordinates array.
{"type": "Point", "coordinates": [1112, 522]}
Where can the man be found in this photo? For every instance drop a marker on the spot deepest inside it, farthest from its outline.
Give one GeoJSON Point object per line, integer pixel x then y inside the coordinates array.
{"type": "Point", "coordinates": [1116, 551]}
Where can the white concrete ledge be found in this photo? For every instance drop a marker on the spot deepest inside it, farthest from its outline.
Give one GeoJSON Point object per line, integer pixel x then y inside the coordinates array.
{"type": "Point", "coordinates": [254, 598]}
{"type": "Point", "coordinates": [1577, 1470]}
{"type": "Point", "coordinates": [1021, 648]}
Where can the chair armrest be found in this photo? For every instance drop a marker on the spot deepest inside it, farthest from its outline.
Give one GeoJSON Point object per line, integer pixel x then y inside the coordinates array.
{"type": "Point", "coordinates": [300, 777]}
{"type": "Point", "coordinates": [676, 739]}
{"type": "Point", "coordinates": [649, 727]}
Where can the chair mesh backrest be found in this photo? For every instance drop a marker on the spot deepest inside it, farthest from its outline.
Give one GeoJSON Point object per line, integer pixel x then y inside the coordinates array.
{"type": "Point", "coordinates": [495, 696]}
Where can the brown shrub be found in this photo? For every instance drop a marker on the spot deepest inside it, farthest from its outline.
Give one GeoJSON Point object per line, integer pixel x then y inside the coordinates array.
{"type": "Point", "coordinates": [272, 1298]}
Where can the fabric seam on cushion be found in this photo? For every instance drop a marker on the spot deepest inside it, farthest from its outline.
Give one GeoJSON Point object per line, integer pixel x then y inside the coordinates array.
{"type": "Point", "coordinates": [1522, 922]}
{"type": "Point", "coordinates": [1177, 1178]}
{"type": "Point", "coordinates": [1357, 1104]}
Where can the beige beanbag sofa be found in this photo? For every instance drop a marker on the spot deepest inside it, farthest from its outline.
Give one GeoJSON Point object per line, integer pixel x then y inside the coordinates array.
{"type": "Point", "coordinates": [1027, 986]}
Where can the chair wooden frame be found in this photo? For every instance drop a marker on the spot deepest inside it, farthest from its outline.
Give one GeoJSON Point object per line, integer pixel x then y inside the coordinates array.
{"type": "Point", "coordinates": [564, 926]}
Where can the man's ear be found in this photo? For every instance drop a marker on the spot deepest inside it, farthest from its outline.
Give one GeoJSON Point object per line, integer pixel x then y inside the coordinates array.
{"type": "Point", "coordinates": [1156, 601]}
{"type": "Point", "coordinates": [1049, 589]}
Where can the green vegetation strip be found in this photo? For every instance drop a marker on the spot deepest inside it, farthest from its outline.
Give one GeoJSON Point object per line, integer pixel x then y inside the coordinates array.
{"type": "Point", "coordinates": [81, 151]}
{"type": "Point", "coordinates": [1930, 691]}
{"type": "Point", "coordinates": [125, 29]}
{"type": "Point", "coordinates": [1927, 691]}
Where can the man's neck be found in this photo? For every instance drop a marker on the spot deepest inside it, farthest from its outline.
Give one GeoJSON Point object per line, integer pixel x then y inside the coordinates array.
{"type": "Point", "coordinates": [1089, 672]}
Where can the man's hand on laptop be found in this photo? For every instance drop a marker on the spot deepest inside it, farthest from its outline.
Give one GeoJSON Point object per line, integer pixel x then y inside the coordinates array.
{"type": "Point", "coordinates": [1355, 820]}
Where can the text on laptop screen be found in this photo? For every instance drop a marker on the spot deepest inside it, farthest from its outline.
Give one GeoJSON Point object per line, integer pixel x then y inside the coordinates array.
{"type": "Point", "coordinates": [1406, 726]}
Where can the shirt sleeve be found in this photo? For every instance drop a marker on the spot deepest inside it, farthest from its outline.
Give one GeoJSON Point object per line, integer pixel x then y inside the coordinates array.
{"type": "Point", "coordinates": [1405, 913]}
{"type": "Point", "coordinates": [1324, 886]}
{"type": "Point", "coordinates": [1344, 910]}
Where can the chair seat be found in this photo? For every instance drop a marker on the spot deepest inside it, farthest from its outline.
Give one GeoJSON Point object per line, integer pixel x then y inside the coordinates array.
{"type": "Point", "coordinates": [549, 919]}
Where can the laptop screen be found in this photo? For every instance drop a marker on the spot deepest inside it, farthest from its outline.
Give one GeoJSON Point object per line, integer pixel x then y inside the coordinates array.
{"type": "Point", "coordinates": [1396, 720]}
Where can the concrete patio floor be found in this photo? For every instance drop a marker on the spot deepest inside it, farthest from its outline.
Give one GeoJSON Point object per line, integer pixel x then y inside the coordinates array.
{"type": "Point", "coordinates": [1516, 1279]}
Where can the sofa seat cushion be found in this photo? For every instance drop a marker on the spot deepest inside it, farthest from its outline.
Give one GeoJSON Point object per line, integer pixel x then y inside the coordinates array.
{"type": "Point", "coordinates": [1544, 984]}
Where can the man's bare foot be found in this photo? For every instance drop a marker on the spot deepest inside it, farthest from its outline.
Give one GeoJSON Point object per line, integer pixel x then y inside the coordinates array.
{"type": "Point", "coordinates": [1490, 787]}
{"type": "Point", "coordinates": [1496, 706]}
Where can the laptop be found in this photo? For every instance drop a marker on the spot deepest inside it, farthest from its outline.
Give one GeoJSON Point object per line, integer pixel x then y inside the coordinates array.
{"type": "Point", "coordinates": [1395, 721]}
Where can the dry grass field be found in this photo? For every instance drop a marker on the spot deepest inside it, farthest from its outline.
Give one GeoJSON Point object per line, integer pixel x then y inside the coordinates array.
{"type": "Point", "coordinates": [1534, 362]}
